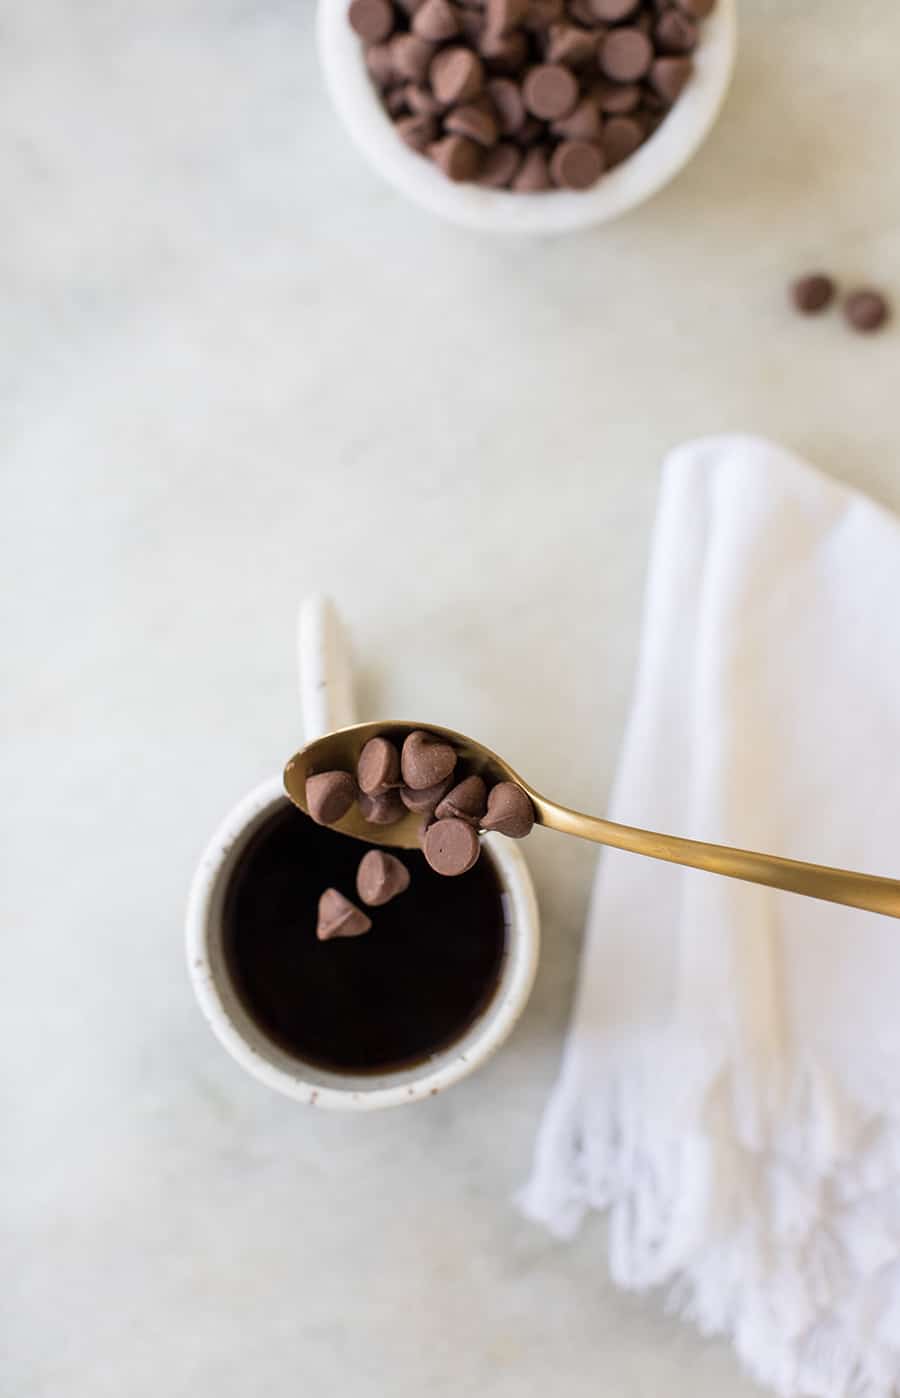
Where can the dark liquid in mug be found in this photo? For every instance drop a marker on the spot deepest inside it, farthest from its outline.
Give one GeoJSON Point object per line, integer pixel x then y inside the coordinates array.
{"type": "Point", "coordinates": [388, 999]}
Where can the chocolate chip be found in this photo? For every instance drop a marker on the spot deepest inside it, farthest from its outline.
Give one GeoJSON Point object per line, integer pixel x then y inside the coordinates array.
{"type": "Point", "coordinates": [675, 32]}
{"type": "Point", "coordinates": [668, 77]}
{"type": "Point", "coordinates": [417, 131]}
{"type": "Point", "coordinates": [534, 176]}
{"type": "Point", "coordinates": [456, 74]}
{"type": "Point", "coordinates": [451, 847]}
{"type": "Point", "coordinates": [812, 293]}
{"type": "Point", "coordinates": [380, 877]}
{"type": "Point", "coordinates": [567, 43]}
{"type": "Point", "coordinates": [500, 166]}
{"type": "Point", "coordinates": [617, 98]}
{"type": "Point", "coordinates": [509, 810]}
{"type": "Point", "coordinates": [613, 11]}
{"type": "Point", "coordinates": [423, 802]}
{"type": "Point", "coordinates": [458, 157]}
{"type": "Point", "coordinates": [421, 100]}
{"type": "Point", "coordinates": [550, 91]}
{"type": "Point", "coordinates": [435, 21]}
{"type": "Point", "coordinates": [373, 20]}
{"type": "Point", "coordinates": [621, 138]}
{"type": "Point", "coordinates": [866, 310]}
{"type": "Point", "coordinates": [506, 98]}
{"type": "Point", "coordinates": [425, 759]}
{"type": "Point", "coordinates": [380, 64]}
{"type": "Point", "coordinates": [504, 15]}
{"type": "Point", "coordinates": [474, 121]}
{"type": "Point", "coordinates": [584, 124]}
{"type": "Point", "coordinates": [329, 796]}
{"type": "Point", "coordinates": [411, 56]}
{"type": "Point", "coordinates": [576, 165]}
{"type": "Point", "coordinates": [697, 9]}
{"type": "Point", "coordinates": [338, 917]}
{"type": "Point", "coordinates": [471, 24]}
{"type": "Point", "coordinates": [384, 809]}
{"type": "Point", "coordinates": [542, 13]}
{"type": "Point", "coordinates": [466, 801]}
{"type": "Point", "coordinates": [506, 54]}
{"type": "Point", "coordinates": [626, 55]}
{"type": "Point", "coordinates": [378, 768]}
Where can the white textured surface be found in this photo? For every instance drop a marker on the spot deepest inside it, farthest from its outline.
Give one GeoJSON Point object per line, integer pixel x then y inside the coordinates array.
{"type": "Point", "coordinates": [236, 367]}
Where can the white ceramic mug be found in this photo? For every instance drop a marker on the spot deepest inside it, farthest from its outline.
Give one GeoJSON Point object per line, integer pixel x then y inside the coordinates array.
{"type": "Point", "coordinates": [326, 692]}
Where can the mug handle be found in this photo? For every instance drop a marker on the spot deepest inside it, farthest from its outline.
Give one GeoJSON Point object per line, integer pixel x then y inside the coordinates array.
{"type": "Point", "coordinates": [324, 669]}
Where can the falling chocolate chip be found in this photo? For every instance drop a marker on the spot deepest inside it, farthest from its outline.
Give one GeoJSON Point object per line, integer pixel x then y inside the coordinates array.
{"type": "Point", "coordinates": [456, 75]}
{"type": "Point", "coordinates": [534, 176]}
{"type": "Point", "coordinates": [568, 44]}
{"type": "Point", "coordinates": [576, 165]}
{"type": "Point", "coordinates": [380, 877]}
{"type": "Point", "coordinates": [338, 917]}
{"type": "Point", "coordinates": [626, 55]}
{"type": "Point", "coordinates": [675, 32]}
{"type": "Point", "coordinates": [509, 811]}
{"type": "Point", "coordinates": [466, 801]}
{"type": "Point", "coordinates": [584, 124]}
{"type": "Point", "coordinates": [500, 165]}
{"type": "Point", "coordinates": [425, 760]}
{"type": "Point", "coordinates": [378, 768]}
{"type": "Point", "coordinates": [436, 20]}
{"type": "Point", "coordinates": [669, 76]}
{"type": "Point", "coordinates": [373, 20]}
{"type": "Point", "coordinates": [329, 796]}
{"type": "Point", "coordinates": [621, 138]}
{"type": "Point", "coordinates": [451, 847]}
{"type": "Point", "coordinates": [613, 11]}
{"type": "Point", "coordinates": [417, 131]}
{"type": "Point", "coordinates": [411, 56]}
{"type": "Point", "coordinates": [550, 91]}
{"type": "Point", "coordinates": [812, 293]}
{"type": "Point", "coordinates": [506, 99]}
{"type": "Point", "coordinates": [384, 809]}
{"type": "Point", "coordinates": [476, 122]}
{"type": "Point", "coordinates": [866, 310]}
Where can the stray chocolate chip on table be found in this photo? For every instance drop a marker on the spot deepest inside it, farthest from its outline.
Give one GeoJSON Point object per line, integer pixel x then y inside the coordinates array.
{"type": "Point", "coordinates": [866, 310]}
{"type": "Point", "coordinates": [812, 292]}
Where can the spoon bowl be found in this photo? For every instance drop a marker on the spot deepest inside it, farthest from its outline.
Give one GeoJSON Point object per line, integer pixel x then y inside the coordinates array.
{"type": "Point", "coordinates": [339, 752]}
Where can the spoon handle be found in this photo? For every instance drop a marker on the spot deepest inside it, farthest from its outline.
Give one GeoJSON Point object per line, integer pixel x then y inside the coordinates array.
{"type": "Point", "coordinates": [876, 895]}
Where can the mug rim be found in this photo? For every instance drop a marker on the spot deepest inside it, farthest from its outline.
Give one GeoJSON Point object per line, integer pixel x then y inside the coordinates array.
{"type": "Point", "coordinates": [247, 1043]}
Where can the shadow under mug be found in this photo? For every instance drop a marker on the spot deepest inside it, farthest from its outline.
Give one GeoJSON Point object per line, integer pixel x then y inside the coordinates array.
{"type": "Point", "coordinates": [325, 686]}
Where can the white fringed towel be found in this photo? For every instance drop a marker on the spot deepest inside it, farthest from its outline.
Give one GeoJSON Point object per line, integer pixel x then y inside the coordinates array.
{"type": "Point", "coordinates": [730, 1090]}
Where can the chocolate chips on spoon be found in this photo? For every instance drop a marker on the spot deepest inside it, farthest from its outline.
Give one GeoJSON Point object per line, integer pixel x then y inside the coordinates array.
{"type": "Point", "coordinates": [522, 94]}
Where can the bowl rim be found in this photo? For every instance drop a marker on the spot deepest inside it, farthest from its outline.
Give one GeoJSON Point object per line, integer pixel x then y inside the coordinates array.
{"type": "Point", "coordinates": [654, 165]}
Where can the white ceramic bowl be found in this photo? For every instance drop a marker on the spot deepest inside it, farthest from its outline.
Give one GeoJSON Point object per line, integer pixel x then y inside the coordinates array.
{"type": "Point", "coordinates": [500, 211]}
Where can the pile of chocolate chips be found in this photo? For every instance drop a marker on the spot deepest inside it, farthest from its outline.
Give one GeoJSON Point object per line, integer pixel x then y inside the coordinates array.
{"type": "Point", "coordinates": [528, 94]}
{"type": "Point", "coordinates": [423, 777]}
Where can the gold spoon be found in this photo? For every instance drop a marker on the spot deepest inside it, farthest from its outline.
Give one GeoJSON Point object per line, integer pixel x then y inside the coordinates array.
{"type": "Point", "coordinates": [340, 751]}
